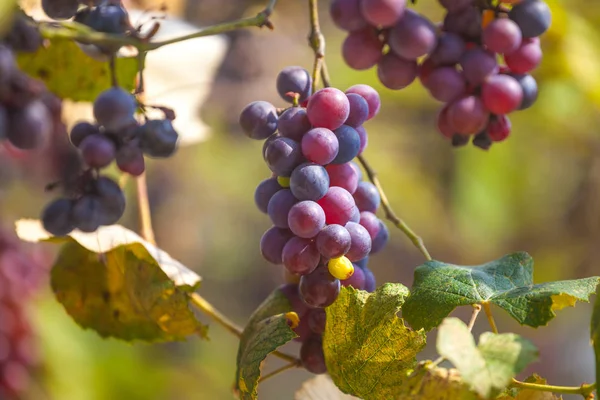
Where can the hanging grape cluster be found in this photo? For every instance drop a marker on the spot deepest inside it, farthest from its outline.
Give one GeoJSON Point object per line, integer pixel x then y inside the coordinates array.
{"type": "Point", "coordinates": [20, 276]}
{"type": "Point", "coordinates": [477, 62]}
{"type": "Point", "coordinates": [116, 135]}
{"type": "Point", "coordinates": [323, 213]}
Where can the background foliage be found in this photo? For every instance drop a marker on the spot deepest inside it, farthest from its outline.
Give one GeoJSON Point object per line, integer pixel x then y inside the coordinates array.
{"type": "Point", "coordinates": [538, 192]}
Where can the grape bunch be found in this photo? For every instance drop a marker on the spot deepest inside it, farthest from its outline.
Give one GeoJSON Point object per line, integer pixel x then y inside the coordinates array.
{"type": "Point", "coordinates": [93, 201]}
{"type": "Point", "coordinates": [20, 276]}
{"type": "Point", "coordinates": [478, 61]}
{"type": "Point", "coordinates": [323, 214]}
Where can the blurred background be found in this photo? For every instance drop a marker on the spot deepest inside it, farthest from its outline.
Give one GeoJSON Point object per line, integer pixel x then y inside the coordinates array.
{"type": "Point", "coordinates": [537, 192]}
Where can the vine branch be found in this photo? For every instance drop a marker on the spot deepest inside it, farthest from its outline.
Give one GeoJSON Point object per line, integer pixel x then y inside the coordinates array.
{"type": "Point", "coordinates": [76, 31]}
{"type": "Point", "coordinates": [584, 390]}
{"type": "Point", "coordinates": [389, 212]}
{"type": "Point", "coordinates": [279, 370]}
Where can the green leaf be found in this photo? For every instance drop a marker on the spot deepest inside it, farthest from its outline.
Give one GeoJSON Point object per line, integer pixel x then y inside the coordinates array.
{"type": "Point", "coordinates": [71, 74]}
{"type": "Point", "coordinates": [368, 349]}
{"type": "Point", "coordinates": [112, 282]}
{"type": "Point", "coordinates": [490, 366]}
{"type": "Point", "coordinates": [267, 329]}
{"type": "Point", "coordinates": [507, 282]}
{"type": "Point", "coordinates": [595, 330]}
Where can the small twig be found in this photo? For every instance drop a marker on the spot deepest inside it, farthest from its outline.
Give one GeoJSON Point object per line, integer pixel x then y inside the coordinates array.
{"type": "Point", "coordinates": [490, 316]}
{"type": "Point", "coordinates": [208, 309]}
{"type": "Point", "coordinates": [79, 32]}
{"type": "Point", "coordinates": [389, 212]}
{"type": "Point", "coordinates": [144, 209]}
{"type": "Point", "coordinates": [584, 390]}
{"type": "Point", "coordinates": [316, 41]}
{"type": "Point", "coordinates": [476, 310]}
{"type": "Point", "coordinates": [278, 371]}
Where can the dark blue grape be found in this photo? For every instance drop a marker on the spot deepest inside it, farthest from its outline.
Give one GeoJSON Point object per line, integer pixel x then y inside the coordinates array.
{"type": "Point", "coordinates": [114, 109]}
{"type": "Point", "coordinates": [88, 213]}
{"type": "Point", "coordinates": [530, 90]}
{"type": "Point", "coordinates": [264, 191]}
{"type": "Point", "coordinates": [279, 207]}
{"type": "Point", "coordinates": [362, 264]}
{"type": "Point", "coordinates": [158, 138]}
{"type": "Point", "coordinates": [359, 110]}
{"type": "Point", "coordinates": [370, 283]}
{"type": "Point", "coordinates": [533, 17]}
{"type": "Point", "coordinates": [294, 123]}
{"type": "Point", "coordinates": [259, 120]}
{"type": "Point", "coordinates": [296, 80]}
{"type": "Point", "coordinates": [349, 144]}
{"type": "Point", "coordinates": [111, 199]}
{"type": "Point", "coordinates": [97, 151]}
{"type": "Point", "coordinates": [309, 182]}
{"type": "Point", "coordinates": [29, 127]}
{"type": "Point", "coordinates": [60, 9]}
{"type": "Point", "coordinates": [82, 130]}
{"type": "Point", "coordinates": [57, 218]}
{"type": "Point", "coordinates": [272, 243]}
{"type": "Point", "coordinates": [367, 197]}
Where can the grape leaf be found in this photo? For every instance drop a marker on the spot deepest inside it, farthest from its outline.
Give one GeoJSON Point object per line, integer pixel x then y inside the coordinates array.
{"type": "Point", "coordinates": [528, 394]}
{"type": "Point", "coordinates": [490, 366]}
{"type": "Point", "coordinates": [112, 282]}
{"type": "Point", "coordinates": [368, 349]}
{"type": "Point", "coordinates": [595, 330]}
{"type": "Point", "coordinates": [267, 329]}
{"type": "Point", "coordinates": [507, 282]}
{"type": "Point", "coordinates": [71, 74]}
{"type": "Point", "coordinates": [433, 383]}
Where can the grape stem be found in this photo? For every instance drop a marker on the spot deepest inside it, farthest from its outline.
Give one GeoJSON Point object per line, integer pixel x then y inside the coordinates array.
{"type": "Point", "coordinates": [584, 390]}
{"type": "Point", "coordinates": [490, 316]}
{"type": "Point", "coordinates": [389, 212]}
{"type": "Point", "coordinates": [316, 40]}
{"type": "Point", "coordinates": [290, 365]}
{"type": "Point", "coordinates": [144, 209]}
{"type": "Point", "coordinates": [79, 32]}
{"type": "Point", "coordinates": [474, 314]}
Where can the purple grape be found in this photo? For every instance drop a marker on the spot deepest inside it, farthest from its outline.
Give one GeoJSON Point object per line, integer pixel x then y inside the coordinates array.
{"type": "Point", "coordinates": [328, 108]}
{"type": "Point", "coordinates": [383, 13]}
{"type": "Point", "coordinates": [361, 242]}
{"type": "Point", "coordinates": [111, 199]}
{"type": "Point", "coordinates": [114, 109]}
{"type": "Point", "coordinates": [446, 84]}
{"type": "Point", "coordinates": [97, 151]}
{"type": "Point", "coordinates": [267, 142]}
{"type": "Point", "coordinates": [395, 72]}
{"type": "Point", "coordinates": [413, 36]}
{"type": "Point", "coordinates": [291, 292]}
{"type": "Point", "coordinates": [370, 284]}
{"type": "Point", "coordinates": [300, 256]}
{"type": "Point", "coordinates": [333, 241]}
{"type": "Point", "coordinates": [57, 217]}
{"type": "Point", "coordinates": [346, 15]}
{"type": "Point", "coordinates": [279, 207]}
{"type": "Point", "coordinates": [364, 139]}
{"type": "Point", "coordinates": [532, 16]}
{"type": "Point", "coordinates": [525, 58]}
{"type": "Point", "coordinates": [502, 36]}
{"type": "Point", "coordinates": [302, 330]}
{"type": "Point", "coordinates": [478, 64]}
{"type": "Point", "coordinates": [306, 219]}
{"type": "Point", "coordinates": [355, 215]}
{"type": "Point", "coordinates": [367, 197]}
{"type": "Point", "coordinates": [530, 90]}
{"type": "Point", "coordinates": [311, 355]}
{"type": "Point", "coordinates": [60, 9]}
{"type": "Point", "coordinates": [130, 159]}
{"type": "Point", "coordinates": [357, 280]}
{"type": "Point", "coordinates": [320, 145]}
{"type": "Point", "coordinates": [319, 289]}
{"type": "Point", "coordinates": [370, 222]}
{"type": "Point", "coordinates": [295, 80]}
{"type": "Point", "coordinates": [349, 144]}
{"type": "Point", "coordinates": [450, 47]}
{"type": "Point", "coordinates": [259, 120]}
{"type": "Point", "coordinates": [81, 130]}
{"type": "Point", "coordinates": [361, 50]}
{"type": "Point", "coordinates": [29, 127]}
{"type": "Point", "coordinates": [343, 175]}
{"type": "Point", "coordinates": [455, 5]}
{"type": "Point", "coordinates": [272, 243]}
{"type": "Point", "coordinates": [465, 22]}
{"type": "Point", "coordinates": [283, 155]}
{"type": "Point", "coordinates": [357, 169]}
{"type": "Point", "coordinates": [467, 115]}
{"type": "Point", "coordinates": [338, 205]}
{"type": "Point", "coordinates": [359, 110]}
{"type": "Point", "coordinates": [264, 192]}
{"type": "Point", "coordinates": [316, 320]}
{"type": "Point", "coordinates": [309, 182]}
{"type": "Point", "coordinates": [370, 95]}
{"type": "Point", "coordinates": [293, 123]}
{"type": "Point", "coordinates": [87, 213]}
{"type": "Point", "coordinates": [379, 241]}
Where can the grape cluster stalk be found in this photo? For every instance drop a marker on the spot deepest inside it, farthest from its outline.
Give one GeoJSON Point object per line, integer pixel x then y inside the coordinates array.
{"type": "Point", "coordinates": [323, 213]}
{"type": "Point", "coordinates": [116, 135]}
{"type": "Point", "coordinates": [477, 61]}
